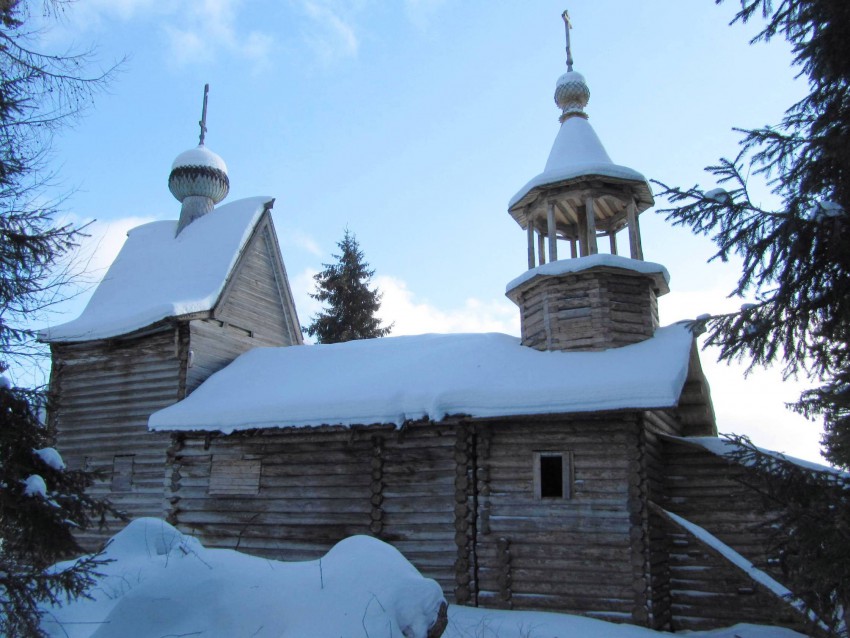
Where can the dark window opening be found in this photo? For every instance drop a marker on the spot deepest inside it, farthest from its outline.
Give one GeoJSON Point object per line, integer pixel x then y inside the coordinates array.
{"type": "Point", "coordinates": [551, 476]}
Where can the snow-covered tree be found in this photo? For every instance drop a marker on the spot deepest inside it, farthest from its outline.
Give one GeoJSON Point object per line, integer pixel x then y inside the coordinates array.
{"type": "Point", "coordinates": [796, 262]}
{"type": "Point", "coordinates": [351, 305]}
{"type": "Point", "coordinates": [41, 504]}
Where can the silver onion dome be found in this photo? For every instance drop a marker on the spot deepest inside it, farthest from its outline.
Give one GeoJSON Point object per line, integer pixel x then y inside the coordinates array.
{"type": "Point", "coordinates": [572, 94]}
{"type": "Point", "coordinates": [199, 172]}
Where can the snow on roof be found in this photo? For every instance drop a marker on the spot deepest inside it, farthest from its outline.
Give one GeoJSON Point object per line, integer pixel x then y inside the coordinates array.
{"type": "Point", "coordinates": [199, 156]}
{"type": "Point", "coordinates": [723, 447]}
{"type": "Point", "coordinates": [157, 275]}
{"type": "Point", "coordinates": [577, 152]}
{"type": "Point", "coordinates": [732, 556]}
{"type": "Point", "coordinates": [563, 266]}
{"type": "Point", "coordinates": [397, 379]}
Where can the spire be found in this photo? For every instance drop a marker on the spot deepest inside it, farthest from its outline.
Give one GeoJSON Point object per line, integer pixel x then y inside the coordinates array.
{"type": "Point", "coordinates": [198, 177]}
{"type": "Point", "coordinates": [567, 26]}
{"type": "Point", "coordinates": [203, 121]}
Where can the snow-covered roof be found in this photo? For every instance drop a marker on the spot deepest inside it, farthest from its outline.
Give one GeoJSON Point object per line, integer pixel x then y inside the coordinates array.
{"type": "Point", "coordinates": [578, 264]}
{"type": "Point", "coordinates": [724, 447]}
{"type": "Point", "coordinates": [396, 379]}
{"type": "Point", "coordinates": [578, 152]}
{"type": "Point", "coordinates": [199, 156]}
{"type": "Point", "coordinates": [157, 275]}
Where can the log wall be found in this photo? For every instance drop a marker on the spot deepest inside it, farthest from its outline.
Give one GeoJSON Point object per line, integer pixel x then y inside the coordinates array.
{"type": "Point", "coordinates": [317, 487]}
{"type": "Point", "coordinates": [709, 592]}
{"type": "Point", "coordinates": [593, 309]}
{"type": "Point", "coordinates": [570, 555]}
{"type": "Point", "coordinates": [103, 393]}
{"type": "Point", "coordinates": [702, 488]}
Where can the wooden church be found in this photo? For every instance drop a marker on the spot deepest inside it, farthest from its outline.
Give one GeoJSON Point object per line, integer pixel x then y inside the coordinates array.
{"type": "Point", "coordinates": [576, 469]}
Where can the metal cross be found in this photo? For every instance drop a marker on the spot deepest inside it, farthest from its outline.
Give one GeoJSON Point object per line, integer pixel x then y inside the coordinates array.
{"type": "Point", "coordinates": [203, 121]}
{"type": "Point", "coordinates": [567, 26]}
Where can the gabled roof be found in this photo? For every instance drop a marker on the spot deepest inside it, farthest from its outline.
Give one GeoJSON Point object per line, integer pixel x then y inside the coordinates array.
{"type": "Point", "coordinates": [578, 153]}
{"type": "Point", "coordinates": [157, 275]}
{"type": "Point", "coordinates": [397, 379]}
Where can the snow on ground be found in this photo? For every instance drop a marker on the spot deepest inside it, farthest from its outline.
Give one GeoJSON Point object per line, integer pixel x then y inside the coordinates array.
{"type": "Point", "coordinates": [429, 376]}
{"type": "Point", "coordinates": [164, 583]}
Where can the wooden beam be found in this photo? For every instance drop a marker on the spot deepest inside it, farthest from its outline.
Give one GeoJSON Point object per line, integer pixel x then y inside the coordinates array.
{"type": "Point", "coordinates": [530, 243]}
{"type": "Point", "coordinates": [589, 215]}
{"type": "Point", "coordinates": [612, 237]}
{"type": "Point", "coordinates": [634, 231]}
{"type": "Point", "coordinates": [553, 236]}
{"type": "Point", "coordinates": [582, 235]}
{"type": "Point", "coordinates": [541, 250]}
{"type": "Point", "coordinates": [573, 249]}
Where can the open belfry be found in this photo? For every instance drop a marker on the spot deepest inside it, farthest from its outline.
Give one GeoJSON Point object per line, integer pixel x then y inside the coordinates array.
{"type": "Point", "coordinates": [580, 198]}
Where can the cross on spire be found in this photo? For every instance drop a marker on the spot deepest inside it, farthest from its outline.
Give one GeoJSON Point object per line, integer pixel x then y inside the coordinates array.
{"type": "Point", "coordinates": [203, 121]}
{"type": "Point", "coordinates": [567, 26]}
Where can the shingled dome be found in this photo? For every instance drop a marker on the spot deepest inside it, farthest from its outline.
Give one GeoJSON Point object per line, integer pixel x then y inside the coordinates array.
{"type": "Point", "coordinates": [199, 172]}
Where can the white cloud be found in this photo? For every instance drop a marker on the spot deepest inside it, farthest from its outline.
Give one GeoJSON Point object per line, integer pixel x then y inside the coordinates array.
{"type": "Point", "coordinates": [410, 315]}
{"type": "Point", "coordinates": [301, 240]}
{"type": "Point", "coordinates": [421, 12]}
{"type": "Point", "coordinates": [327, 32]}
{"type": "Point", "coordinates": [209, 29]}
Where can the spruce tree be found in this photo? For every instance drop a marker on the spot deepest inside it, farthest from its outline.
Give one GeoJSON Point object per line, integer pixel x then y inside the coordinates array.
{"type": "Point", "coordinates": [796, 271]}
{"type": "Point", "coordinates": [351, 305]}
{"type": "Point", "coordinates": [796, 262]}
{"type": "Point", "coordinates": [42, 503]}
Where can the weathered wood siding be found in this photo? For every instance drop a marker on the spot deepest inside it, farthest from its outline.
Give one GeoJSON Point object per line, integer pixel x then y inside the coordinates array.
{"type": "Point", "coordinates": [656, 424]}
{"type": "Point", "coordinates": [709, 592]}
{"type": "Point", "coordinates": [570, 555]}
{"type": "Point", "coordinates": [589, 310]}
{"type": "Point", "coordinates": [255, 310]}
{"type": "Point", "coordinates": [702, 488]}
{"type": "Point", "coordinates": [103, 393]}
{"type": "Point", "coordinates": [317, 487]}
{"type": "Point", "coordinates": [257, 297]}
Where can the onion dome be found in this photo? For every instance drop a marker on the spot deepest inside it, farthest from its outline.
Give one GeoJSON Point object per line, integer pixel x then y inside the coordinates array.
{"type": "Point", "coordinates": [199, 172]}
{"type": "Point", "coordinates": [572, 95]}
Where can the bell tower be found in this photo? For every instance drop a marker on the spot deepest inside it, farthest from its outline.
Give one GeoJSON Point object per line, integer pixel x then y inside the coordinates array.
{"type": "Point", "coordinates": [589, 301]}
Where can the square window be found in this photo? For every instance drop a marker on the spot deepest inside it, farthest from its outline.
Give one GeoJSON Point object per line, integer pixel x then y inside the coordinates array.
{"type": "Point", "coordinates": [552, 475]}
{"type": "Point", "coordinates": [122, 472]}
{"type": "Point", "coordinates": [232, 477]}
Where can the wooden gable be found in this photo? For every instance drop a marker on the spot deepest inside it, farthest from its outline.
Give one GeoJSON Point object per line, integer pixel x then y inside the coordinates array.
{"type": "Point", "coordinates": [257, 297]}
{"type": "Point", "coordinates": [695, 410]}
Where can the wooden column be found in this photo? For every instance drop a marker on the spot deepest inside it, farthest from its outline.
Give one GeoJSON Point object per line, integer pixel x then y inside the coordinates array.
{"type": "Point", "coordinates": [530, 244]}
{"type": "Point", "coordinates": [553, 236]}
{"type": "Point", "coordinates": [612, 237]}
{"type": "Point", "coordinates": [582, 235]}
{"type": "Point", "coordinates": [592, 248]}
{"type": "Point", "coordinates": [541, 250]}
{"type": "Point", "coordinates": [634, 231]}
{"type": "Point", "coordinates": [573, 249]}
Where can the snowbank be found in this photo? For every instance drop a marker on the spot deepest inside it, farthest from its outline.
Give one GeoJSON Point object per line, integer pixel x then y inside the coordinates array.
{"type": "Point", "coordinates": [396, 379]}
{"type": "Point", "coordinates": [163, 583]}
{"type": "Point", "coordinates": [157, 275]}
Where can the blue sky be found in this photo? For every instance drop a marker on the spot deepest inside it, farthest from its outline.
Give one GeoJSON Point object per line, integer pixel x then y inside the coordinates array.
{"type": "Point", "coordinates": [413, 122]}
